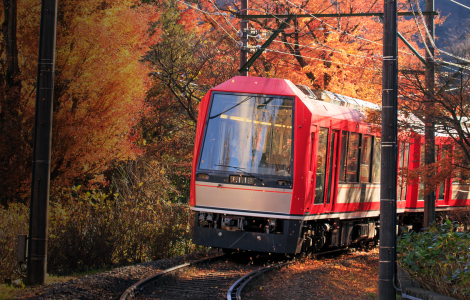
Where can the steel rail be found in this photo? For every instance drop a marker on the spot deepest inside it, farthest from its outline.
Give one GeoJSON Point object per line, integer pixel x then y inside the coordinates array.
{"type": "Point", "coordinates": [237, 287]}
{"type": "Point", "coordinates": [139, 286]}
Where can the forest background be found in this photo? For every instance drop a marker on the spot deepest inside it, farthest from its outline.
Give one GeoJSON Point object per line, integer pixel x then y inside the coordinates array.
{"type": "Point", "coordinates": [128, 79]}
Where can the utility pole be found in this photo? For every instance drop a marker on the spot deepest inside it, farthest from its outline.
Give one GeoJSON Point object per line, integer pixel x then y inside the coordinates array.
{"type": "Point", "coordinates": [388, 174]}
{"type": "Point", "coordinates": [243, 37]}
{"type": "Point", "coordinates": [39, 207]}
{"type": "Point", "coordinates": [429, 130]}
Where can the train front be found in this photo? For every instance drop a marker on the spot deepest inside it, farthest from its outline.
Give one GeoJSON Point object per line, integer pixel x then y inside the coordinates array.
{"type": "Point", "coordinates": [242, 180]}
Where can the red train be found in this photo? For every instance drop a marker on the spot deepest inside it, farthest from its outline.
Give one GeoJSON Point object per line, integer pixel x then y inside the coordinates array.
{"type": "Point", "coordinates": [280, 169]}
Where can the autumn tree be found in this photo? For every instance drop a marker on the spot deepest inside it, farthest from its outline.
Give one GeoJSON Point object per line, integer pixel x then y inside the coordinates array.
{"type": "Point", "coordinates": [98, 93]}
{"type": "Point", "coordinates": [188, 55]}
{"type": "Point", "coordinates": [451, 115]}
{"type": "Point", "coordinates": [342, 55]}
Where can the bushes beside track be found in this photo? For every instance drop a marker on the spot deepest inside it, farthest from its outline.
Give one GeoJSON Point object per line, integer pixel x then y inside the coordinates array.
{"type": "Point", "coordinates": [438, 259]}
{"type": "Point", "coordinates": [94, 228]}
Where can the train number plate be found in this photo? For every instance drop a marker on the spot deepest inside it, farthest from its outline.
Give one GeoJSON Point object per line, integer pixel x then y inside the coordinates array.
{"type": "Point", "coordinates": [242, 179]}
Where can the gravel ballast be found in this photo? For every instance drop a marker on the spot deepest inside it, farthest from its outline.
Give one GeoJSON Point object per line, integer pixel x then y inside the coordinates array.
{"type": "Point", "coordinates": [110, 284]}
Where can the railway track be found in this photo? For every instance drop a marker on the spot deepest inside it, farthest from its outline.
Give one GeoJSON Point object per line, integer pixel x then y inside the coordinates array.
{"type": "Point", "coordinates": [222, 277]}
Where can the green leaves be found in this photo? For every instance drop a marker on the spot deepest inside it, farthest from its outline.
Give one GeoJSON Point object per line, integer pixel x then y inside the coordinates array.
{"type": "Point", "coordinates": [439, 259]}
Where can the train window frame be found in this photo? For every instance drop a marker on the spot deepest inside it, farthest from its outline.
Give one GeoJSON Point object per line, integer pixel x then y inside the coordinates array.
{"type": "Point", "coordinates": [362, 151]}
{"type": "Point", "coordinates": [320, 200]}
{"type": "Point", "coordinates": [343, 157]}
{"type": "Point", "coordinates": [376, 163]}
{"type": "Point", "coordinates": [406, 162]}
{"type": "Point", "coordinates": [421, 163]}
{"type": "Point", "coordinates": [312, 140]}
{"type": "Point", "coordinates": [458, 179]}
{"type": "Point", "coordinates": [220, 176]}
{"type": "Point", "coordinates": [442, 186]}
{"type": "Point", "coordinates": [357, 157]}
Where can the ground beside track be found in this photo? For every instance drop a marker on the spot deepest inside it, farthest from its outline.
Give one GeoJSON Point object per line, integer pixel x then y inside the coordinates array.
{"type": "Point", "coordinates": [106, 285]}
{"type": "Point", "coordinates": [348, 276]}
{"type": "Point", "coordinates": [351, 276]}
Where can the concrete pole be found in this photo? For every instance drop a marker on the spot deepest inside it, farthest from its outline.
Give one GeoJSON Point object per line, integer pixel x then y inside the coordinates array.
{"type": "Point", "coordinates": [388, 175]}
{"type": "Point", "coordinates": [429, 130]}
{"type": "Point", "coordinates": [244, 38]}
{"type": "Point", "coordinates": [39, 207]}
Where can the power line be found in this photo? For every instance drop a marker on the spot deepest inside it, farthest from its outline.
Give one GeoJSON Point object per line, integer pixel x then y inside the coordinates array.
{"type": "Point", "coordinates": [330, 49]}
{"type": "Point", "coordinates": [209, 14]}
{"type": "Point", "coordinates": [306, 46]}
{"type": "Point", "coordinates": [323, 60]}
{"type": "Point", "coordinates": [432, 40]}
{"type": "Point", "coordinates": [313, 58]}
{"type": "Point", "coordinates": [344, 32]}
{"type": "Point", "coordinates": [223, 15]}
{"type": "Point", "coordinates": [419, 29]}
{"type": "Point", "coordinates": [460, 4]}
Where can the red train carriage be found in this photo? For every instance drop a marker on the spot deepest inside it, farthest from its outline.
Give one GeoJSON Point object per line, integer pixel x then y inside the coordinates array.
{"type": "Point", "coordinates": [276, 170]}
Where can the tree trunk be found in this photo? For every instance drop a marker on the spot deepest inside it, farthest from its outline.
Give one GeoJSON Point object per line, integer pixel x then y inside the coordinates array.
{"type": "Point", "coordinates": [11, 49]}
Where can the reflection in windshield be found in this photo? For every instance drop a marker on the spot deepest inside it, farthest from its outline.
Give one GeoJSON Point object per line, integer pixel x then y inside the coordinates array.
{"type": "Point", "coordinates": [251, 133]}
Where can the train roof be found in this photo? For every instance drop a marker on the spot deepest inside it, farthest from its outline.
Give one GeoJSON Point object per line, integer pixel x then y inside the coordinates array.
{"type": "Point", "coordinates": [319, 102]}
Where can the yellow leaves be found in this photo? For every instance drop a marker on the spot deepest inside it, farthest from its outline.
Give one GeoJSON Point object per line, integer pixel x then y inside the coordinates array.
{"type": "Point", "coordinates": [140, 184]}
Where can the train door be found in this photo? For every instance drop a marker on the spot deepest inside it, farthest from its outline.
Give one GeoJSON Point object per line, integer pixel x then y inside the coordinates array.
{"type": "Point", "coordinates": [332, 169]}
{"type": "Point", "coordinates": [311, 168]}
{"type": "Point", "coordinates": [326, 168]}
{"type": "Point", "coordinates": [441, 190]}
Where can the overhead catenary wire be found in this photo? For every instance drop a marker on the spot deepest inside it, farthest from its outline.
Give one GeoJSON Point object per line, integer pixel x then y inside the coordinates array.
{"type": "Point", "coordinates": [460, 4]}
{"type": "Point", "coordinates": [432, 40]}
{"type": "Point", "coordinates": [209, 14]}
{"type": "Point", "coordinates": [223, 15]}
{"type": "Point", "coordinates": [323, 60]}
{"type": "Point", "coordinates": [343, 32]}
{"type": "Point", "coordinates": [332, 49]}
{"type": "Point", "coordinates": [230, 36]}
{"type": "Point", "coordinates": [419, 29]}
{"type": "Point", "coordinates": [316, 48]}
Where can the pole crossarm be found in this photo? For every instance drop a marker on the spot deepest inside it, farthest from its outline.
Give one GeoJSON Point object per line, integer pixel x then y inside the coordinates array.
{"type": "Point", "coordinates": [252, 59]}
{"type": "Point", "coordinates": [413, 49]}
{"type": "Point", "coordinates": [378, 14]}
{"type": "Point", "coordinates": [419, 56]}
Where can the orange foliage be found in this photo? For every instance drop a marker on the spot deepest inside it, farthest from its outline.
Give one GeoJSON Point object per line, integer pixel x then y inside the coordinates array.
{"type": "Point", "coordinates": [341, 55]}
{"type": "Point", "coordinates": [99, 88]}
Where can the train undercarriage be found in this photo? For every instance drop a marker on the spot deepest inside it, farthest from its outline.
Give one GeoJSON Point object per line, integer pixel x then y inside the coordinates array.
{"type": "Point", "coordinates": [235, 232]}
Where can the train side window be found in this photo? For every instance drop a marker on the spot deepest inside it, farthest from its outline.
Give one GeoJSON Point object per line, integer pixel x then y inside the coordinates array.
{"type": "Point", "coordinates": [406, 164]}
{"type": "Point", "coordinates": [321, 165]}
{"type": "Point", "coordinates": [442, 185]}
{"type": "Point", "coordinates": [342, 162]}
{"type": "Point", "coordinates": [366, 153]}
{"type": "Point", "coordinates": [400, 170]}
{"type": "Point", "coordinates": [352, 158]}
{"type": "Point", "coordinates": [461, 175]}
{"type": "Point", "coordinates": [312, 135]}
{"type": "Point", "coordinates": [421, 179]}
{"type": "Point", "coordinates": [377, 160]}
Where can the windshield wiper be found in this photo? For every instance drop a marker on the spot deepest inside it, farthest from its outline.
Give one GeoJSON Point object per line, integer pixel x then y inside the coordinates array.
{"type": "Point", "coordinates": [241, 170]}
{"type": "Point", "coordinates": [244, 100]}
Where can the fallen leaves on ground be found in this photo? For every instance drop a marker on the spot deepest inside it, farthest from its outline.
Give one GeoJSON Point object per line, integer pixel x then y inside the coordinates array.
{"type": "Point", "coordinates": [349, 276]}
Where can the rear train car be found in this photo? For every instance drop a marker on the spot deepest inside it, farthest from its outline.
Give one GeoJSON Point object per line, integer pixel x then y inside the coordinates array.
{"type": "Point", "coordinates": [278, 169]}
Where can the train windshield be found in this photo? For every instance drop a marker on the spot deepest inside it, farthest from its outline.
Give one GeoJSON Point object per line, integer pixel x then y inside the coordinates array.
{"type": "Point", "coordinates": [249, 133]}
